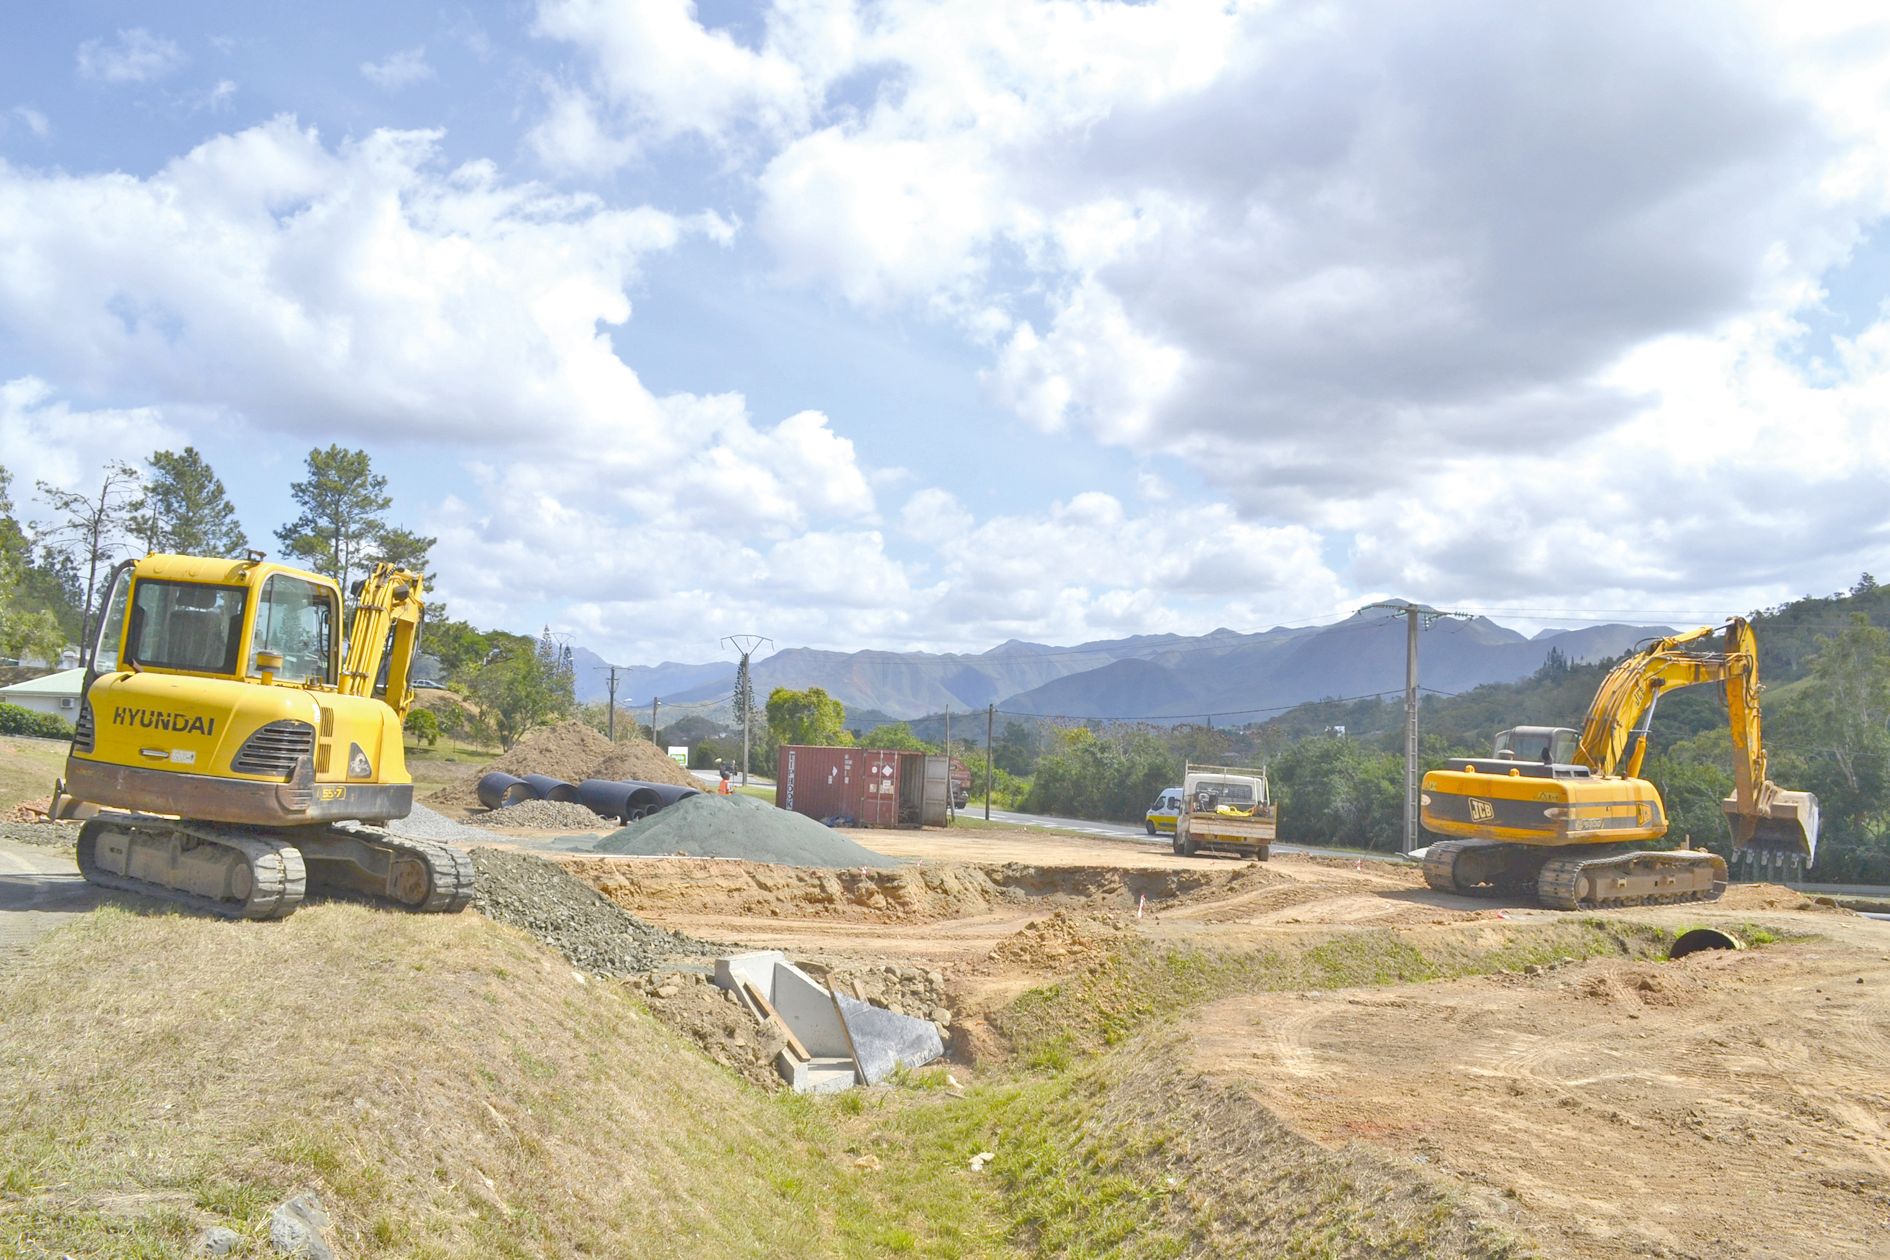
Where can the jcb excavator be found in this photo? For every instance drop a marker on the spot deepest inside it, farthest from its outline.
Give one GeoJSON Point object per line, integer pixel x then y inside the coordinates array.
{"type": "Point", "coordinates": [1557, 810]}
{"type": "Point", "coordinates": [251, 757]}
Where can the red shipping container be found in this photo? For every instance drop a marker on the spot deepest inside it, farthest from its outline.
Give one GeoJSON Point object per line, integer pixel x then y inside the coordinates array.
{"type": "Point", "coordinates": [858, 787]}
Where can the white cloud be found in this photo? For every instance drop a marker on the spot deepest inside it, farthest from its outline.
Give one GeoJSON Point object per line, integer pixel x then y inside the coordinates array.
{"type": "Point", "coordinates": [135, 56]}
{"type": "Point", "coordinates": [571, 137]}
{"type": "Point", "coordinates": [1405, 279]}
{"type": "Point", "coordinates": [31, 119]}
{"type": "Point", "coordinates": [398, 70]}
{"type": "Point", "coordinates": [43, 438]}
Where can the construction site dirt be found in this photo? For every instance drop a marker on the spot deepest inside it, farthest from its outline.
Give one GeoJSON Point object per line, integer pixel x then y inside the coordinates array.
{"type": "Point", "coordinates": [1604, 1106]}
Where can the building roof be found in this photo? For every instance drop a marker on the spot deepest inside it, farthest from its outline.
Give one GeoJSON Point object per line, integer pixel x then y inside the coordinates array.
{"type": "Point", "coordinates": [67, 682]}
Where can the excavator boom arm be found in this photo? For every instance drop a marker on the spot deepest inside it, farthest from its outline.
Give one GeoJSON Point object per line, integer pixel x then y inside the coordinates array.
{"type": "Point", "coordinates": [1614, 734]}
{"type": "Point", "coordinates": [386, 628]}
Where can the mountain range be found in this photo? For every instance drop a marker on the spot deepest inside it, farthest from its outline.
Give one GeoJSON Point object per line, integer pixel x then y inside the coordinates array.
{"type": "Point", "coordinates": [1165, 678]}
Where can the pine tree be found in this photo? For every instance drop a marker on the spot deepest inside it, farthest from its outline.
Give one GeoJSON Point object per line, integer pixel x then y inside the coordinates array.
{"type": "Point", "coordinates": [343, 501]}
{"type": "Point", "coordinates": [185, 510]}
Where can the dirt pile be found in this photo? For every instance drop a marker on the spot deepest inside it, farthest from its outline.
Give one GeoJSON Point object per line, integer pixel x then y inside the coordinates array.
{"type": "Point", "coordinates": [1767, 897]}
{"type": "Point", "coordinates": [573, 752]}
{"type": "Point", "coordinates": [571, 917]}
{"type": "Point", "coordinates": [1062, 942]}
{"type": "Point", "coordinates": [742, 827]}
{"type": "Point", "coordinates": [715, 1020]}
{"type": "Point", "coordinates": [541, 816]}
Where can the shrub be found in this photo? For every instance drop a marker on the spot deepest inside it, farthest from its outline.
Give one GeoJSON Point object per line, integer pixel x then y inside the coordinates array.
{"type": "Point", "coordinates": [424, 727]}
{"type": "Point", "coordinates": [16, 720]}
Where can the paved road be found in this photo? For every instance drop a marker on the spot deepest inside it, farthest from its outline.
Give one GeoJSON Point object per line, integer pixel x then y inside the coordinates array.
{"type": "Point", "coordinates": [39, 890]}
{"type": "Point", "coordinates": [1139, 834]}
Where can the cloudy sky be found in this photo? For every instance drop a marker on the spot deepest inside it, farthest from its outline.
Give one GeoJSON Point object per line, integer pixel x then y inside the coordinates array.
{"type": "Point", "coordinates": [903, 324]}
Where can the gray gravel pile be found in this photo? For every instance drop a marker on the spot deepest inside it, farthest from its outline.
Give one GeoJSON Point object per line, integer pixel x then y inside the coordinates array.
{"type": "Point", "coordinates": [542, 816]}
{"type": "Point", "coordinates": [743, 827]}
{"type": "Point", "coordinates": [53, 835]}
{"type": "Point", "coordinates": [564, 912]}
{"type": "Point", "coordinates": [430, 824]}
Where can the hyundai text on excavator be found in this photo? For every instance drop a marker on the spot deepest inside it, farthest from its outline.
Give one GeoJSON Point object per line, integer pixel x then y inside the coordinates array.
{"type": "Point", "coordinates": [1559, 810]}
{"type": "Point", "coordinates": [242, 752]}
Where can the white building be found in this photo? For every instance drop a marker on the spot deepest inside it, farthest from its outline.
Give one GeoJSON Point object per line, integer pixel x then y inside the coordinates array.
{"type": "Point", "coordinates": [57, 694]}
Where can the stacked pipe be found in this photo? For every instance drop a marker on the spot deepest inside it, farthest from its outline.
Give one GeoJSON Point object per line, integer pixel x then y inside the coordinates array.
{"type": "Point", "coordinates": [624, 801]}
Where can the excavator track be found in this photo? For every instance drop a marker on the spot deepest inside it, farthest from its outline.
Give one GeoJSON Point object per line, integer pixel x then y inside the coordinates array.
{"type": "Point", "coordinates": [1631, 879]}
{"type": "Point", "coordinates": [357, 860]}
{"type": "Point", "coordinates": [225, 871]}
{"type": "Point", "coordinates": [257, 873]}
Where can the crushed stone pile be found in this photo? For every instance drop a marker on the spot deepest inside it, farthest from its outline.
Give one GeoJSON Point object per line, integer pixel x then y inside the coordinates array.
{"type": "Point", "coordinates": [572, 917]}
{"type": "Point", "coordinates": [52, 835]}
{"type": "Point", "coordinates": [541, 816]}
{"type": "Point", "coordinates": [427, 824]}
{"type": "Point", "coordinates": [573, 752]}
{"type": "Point", "coordinates": [743, 827]}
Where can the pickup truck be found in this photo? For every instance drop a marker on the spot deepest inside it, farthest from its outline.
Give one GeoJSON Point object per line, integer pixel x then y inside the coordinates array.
{"type": "Point", "coordinates": [1226, 809]}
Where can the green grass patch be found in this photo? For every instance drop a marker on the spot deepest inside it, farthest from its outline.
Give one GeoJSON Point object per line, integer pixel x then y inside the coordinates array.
{"type": "Point", "coordinates": [1143, 982]}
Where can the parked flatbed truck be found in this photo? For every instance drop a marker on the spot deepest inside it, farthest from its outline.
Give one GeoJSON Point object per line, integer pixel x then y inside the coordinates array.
{"type": "Point", "coordinates": [1226, 809]}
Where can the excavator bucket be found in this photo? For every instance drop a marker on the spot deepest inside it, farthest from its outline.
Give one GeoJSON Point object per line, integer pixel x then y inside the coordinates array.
{"type": "Point", "coordinates": [1785, 824]}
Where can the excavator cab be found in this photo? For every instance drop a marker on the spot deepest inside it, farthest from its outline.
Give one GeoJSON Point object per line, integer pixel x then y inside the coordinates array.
{"type": "Point", "coordinates": [1543, 745]}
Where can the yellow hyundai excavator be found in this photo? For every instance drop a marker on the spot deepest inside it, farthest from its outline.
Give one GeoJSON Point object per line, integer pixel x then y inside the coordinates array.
{"type": "Point", "coordinates": [1558, 810]}
{"type": "Point", "coordinates": [242, 754]}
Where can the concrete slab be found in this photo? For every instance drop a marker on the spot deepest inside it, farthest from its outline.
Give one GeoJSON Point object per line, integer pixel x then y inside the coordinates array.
{"type": "Point", "coordinates": [884, 1041]}
{"type": "Point", "coordinates": [808, 1009]}
{"type": "Point", "coordinates": [818, 1076]}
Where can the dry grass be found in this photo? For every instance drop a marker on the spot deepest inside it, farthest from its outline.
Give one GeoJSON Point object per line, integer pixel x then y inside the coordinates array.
{"type": "Point", "coordinates": [446, 1085]}
{"type": "Point", "coordinates": [28, 768]}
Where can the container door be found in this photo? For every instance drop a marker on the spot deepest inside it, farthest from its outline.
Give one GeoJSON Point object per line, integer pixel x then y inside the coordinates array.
{"type": "Point", "coordinates": [938, 791]}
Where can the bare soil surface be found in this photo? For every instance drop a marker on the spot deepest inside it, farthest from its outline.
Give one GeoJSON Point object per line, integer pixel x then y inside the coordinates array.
{"type": "Point", "coordinates": [1727, 1104]}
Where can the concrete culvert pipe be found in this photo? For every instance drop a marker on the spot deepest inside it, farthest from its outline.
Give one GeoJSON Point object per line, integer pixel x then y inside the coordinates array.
{"type": "Point", "coordinates": [499, 789]}
{"type": "Point", "coordinates": [546, 788]}
{"type": "Point", "coordinates": [1703, 938]}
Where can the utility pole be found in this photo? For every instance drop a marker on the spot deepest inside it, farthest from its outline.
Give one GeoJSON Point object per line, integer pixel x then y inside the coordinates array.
{"type": "Point", "coordinates": [744, 689]}
{"type": "Point", "coordinates": [949, 811]}
{"type": "Point", "coordinates": [610, 719]}
{"type": "Point", "coordinates": [1413, 615]}
{"type": "Point", "coordinates": [990, 712]}
{"type": "Point", "coordinates": [653, 703]}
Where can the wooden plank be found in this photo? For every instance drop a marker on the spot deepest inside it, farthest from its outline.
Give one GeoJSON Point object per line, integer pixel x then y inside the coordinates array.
{"type": "Point", "coordinates": [761, 1000]}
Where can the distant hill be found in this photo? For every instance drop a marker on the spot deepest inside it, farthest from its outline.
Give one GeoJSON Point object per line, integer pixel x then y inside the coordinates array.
{"type": "Point", "coordinates": [638, 684]}
{"type": "Point", "coordinates": [1161, 677]}
{"type": "Point", "coordinates": [1245, 676]}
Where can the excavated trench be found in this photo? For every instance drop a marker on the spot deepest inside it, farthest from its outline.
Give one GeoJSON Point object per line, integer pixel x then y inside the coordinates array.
{"type": "Point", "coordinates": [926, 892]}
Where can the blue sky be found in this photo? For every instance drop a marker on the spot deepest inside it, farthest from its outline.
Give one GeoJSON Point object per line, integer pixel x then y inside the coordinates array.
{"type": "Point", "coordinates": [903, 325]}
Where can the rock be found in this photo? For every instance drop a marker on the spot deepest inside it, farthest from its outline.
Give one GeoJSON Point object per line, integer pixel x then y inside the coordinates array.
{"type": "Point", "coordinates": [868, 1162]}
{"type": "Point", "coordinates": [300, 1227]}
{"type": "Point", "coordinates": [1533, 969]}
{"type": "Point", "coordinates": [941, 1015]}
{"type": "Point", "coordinates": [218, 1240]}
{"type": "Point", "coordinates": [979, 1160]}
{"type": "Point", "coordinates": [667, 991]}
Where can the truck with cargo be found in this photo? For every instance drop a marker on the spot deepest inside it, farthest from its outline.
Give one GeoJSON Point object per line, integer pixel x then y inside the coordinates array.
{"type": "Point", "coordinates": [1226, 809]}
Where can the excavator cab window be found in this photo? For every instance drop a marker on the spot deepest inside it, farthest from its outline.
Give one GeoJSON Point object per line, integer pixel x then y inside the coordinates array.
{"type": "Point", "coordinates": [296, 619]}
{"type": "Point", "coordinates": [1544, 745]}
{"type": "Point", "coordinates": [192, 627]}
{"type": "Point", "coordinates": [111, 630]}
